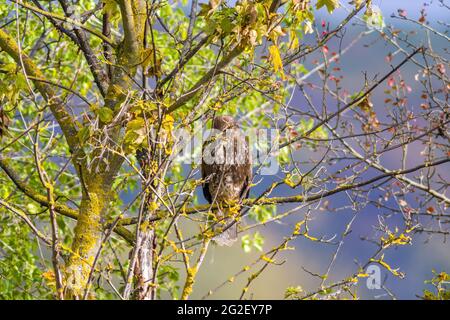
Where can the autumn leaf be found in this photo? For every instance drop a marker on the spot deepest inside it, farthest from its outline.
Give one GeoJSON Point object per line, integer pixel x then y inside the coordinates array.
{"type": "Point", "coordinates": [391, 82]}
{"type": "Point", "coordinates": [356, 3]}
{"type": "Point", "coordinates": [214, 4]}
{"type": "Point", "coordinates": [267, 259]}
{"type": "Point", "coordinates": [275, 59]}
{"type": "Point", "coordinates": [395, 272]}
{"type": "Point", "coordinates": [275, 33]}
{"type": "Point", "coordinates": [308, 28]}
{"type": "Point", "coordinates": [153, 206]}
{"type": "Point", "coordinates": [49, 278]}
{"type": "Point", "coordinates": [151, 62]}
{"type": "Point", "coordinates": [167, 123]}
{"type": "Point", "coordinates": [330, 4]}
{"type": "Point", "coordinates": [366, 105]}
{"type": "Point", "coordinates": [147, 58]}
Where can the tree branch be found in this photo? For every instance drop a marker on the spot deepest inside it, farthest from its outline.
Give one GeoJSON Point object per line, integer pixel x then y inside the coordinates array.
{"type": "Point", "coordinates": [353, 102]}
{"type": "Point", "coordinates": [297, 55]}
{"type": "Point", "coordinates": [238, 49]}
{"type": "Point", "coordinates": [226, 60]}
{"type": "Point", "coordinates": [185, 59]}
{"type": "Point", "coordinates": [66, 19]}
{"type": "Point", "coordinates": [99, 73]}
{"type": "Point", "coordinates": [65, 121]}
{"type": "Point", "coordinates": [297, 198]}
{"type": "Point", "coordinates": [58, 207]}
{"type": "Point", "coordinates": [22, 215]}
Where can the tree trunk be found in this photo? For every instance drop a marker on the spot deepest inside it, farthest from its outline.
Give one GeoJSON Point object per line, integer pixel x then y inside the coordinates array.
{"type": "Point", "coordinates": [146, 267]}
{"type": "Point", "coordinates": [88, 235]}
{"type": "Point", "coordinates": [144, 264]}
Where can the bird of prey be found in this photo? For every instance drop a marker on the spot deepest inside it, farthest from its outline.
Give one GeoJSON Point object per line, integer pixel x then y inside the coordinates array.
{"type": "Point", "coordinates": [227, 174]}
{"type": "Point", "coordinates": [4, 122]}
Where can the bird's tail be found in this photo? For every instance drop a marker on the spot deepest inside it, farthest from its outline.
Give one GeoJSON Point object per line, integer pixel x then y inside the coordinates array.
{"type": "Point", "coordinates": [227, 228]}
{"type": "Point", "coordinates": [228, 236]}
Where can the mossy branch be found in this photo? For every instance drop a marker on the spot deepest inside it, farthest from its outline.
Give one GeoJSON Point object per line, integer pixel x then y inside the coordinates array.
{"type": "Point", "coordinates": [300, 198]}
{"type": "Point", "coordinates": [58, 207]}
{"type": "Point", "coordinates": [192, 271]}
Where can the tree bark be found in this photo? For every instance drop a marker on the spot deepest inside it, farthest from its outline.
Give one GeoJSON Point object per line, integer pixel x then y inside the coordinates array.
{"type": "Point", "coordinates": [88, 235]}
{"type": "Point", "coordinates": [144, 264]}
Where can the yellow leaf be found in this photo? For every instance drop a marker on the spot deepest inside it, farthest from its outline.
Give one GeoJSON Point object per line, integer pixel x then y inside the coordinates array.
{"type": "Point", "coordinates": [167, 123]}
{"type": "Point", "coordinates": [146, 57]}
{"type": "Point", "coordinates": [366, 105]}
{"type": "Point", "coordinates": [275, 58]}
{"type": "Point", "coordinates": [275, 33]}
{"type": "Point", "coordinates": [144, 226]}
{"type": "Point", "coordinates": [293, 40]}
{"type": "Point", "coordinates": [357, 3]}
{"type": "Point", "coordinates": [308, 28]}
{"type": "Point", "coordinates": [49, 277]}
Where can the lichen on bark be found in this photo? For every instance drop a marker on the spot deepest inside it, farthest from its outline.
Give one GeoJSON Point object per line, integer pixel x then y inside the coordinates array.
{"type": "Point", "coordinates": [88, 235]}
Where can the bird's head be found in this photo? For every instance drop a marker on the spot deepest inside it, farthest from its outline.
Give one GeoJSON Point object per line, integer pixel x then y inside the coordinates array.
{"type": "Point", "coordinates": [223, 123]}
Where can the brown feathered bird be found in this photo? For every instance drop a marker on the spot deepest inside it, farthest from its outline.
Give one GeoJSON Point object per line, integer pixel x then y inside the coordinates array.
{"type": "Point", "coordinates": [4, 122]}
{"type": "Point", "coordinates": [227, 172]}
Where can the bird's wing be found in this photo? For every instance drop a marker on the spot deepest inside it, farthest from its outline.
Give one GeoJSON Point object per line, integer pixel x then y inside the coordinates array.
{"type": "Point", "coordinates": [247, 169]}
{"type": "Point", "coordinates": [207, 171]}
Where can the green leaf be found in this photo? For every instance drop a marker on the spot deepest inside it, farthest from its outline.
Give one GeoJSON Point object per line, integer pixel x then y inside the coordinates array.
{"type": "Point", "coordinates": [83, 134]}
{"type": "Point", "coordinates": [258, 241]}
{"type": "Point", "coordinates": [226, 25]}
{"type": "Point", "coordinates": [262, 213]}
{"type": "Point", "coordinates": [21, 82]}
{"type": "Point", "coordinates": [292, 292]}
{"type": "Point", "coordinates": [105, 114]}
{"type": "Point", "coordinates": [248, 242]}
{"type": "Point", "coordinates": [245, 243]}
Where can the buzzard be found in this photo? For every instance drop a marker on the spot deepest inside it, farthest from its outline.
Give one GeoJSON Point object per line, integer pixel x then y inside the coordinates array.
{"type": "Point", "coordinates": [227, 173]}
